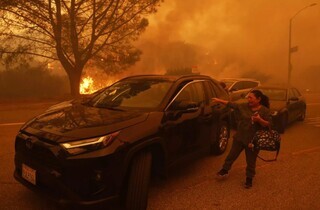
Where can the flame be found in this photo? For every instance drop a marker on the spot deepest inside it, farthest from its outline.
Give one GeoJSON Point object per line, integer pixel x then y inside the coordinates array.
{"type": "Point", "coordinates": [89, 85]}
{"type": "Point", "coordinates": [86, 86]}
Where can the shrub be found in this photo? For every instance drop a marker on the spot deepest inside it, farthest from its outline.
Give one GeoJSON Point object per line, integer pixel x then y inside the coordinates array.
{"type": "Point", "coordinates": [32, 82]}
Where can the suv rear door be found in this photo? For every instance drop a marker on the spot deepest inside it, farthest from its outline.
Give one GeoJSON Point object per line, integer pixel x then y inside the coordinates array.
{"type": "Point", "coordinates": [219, 111]}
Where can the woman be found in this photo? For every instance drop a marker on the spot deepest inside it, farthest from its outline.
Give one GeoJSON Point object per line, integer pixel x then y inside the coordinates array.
{"type": "Point", "coordinates": [251, 116]}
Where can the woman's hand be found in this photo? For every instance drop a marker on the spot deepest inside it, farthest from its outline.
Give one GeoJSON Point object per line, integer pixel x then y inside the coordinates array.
{"type": "Point", "coordinates": [213, 100]}
{"type": "Point", "coordinates": [257, 118]}
{"type": "Point", "coordinates": [251, 146]}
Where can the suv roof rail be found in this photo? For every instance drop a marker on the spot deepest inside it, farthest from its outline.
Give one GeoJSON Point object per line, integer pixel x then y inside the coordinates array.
{"type": "Point", "coordinates": [239, 79]}
{"type": "Point", "coordinates": [176, 77]}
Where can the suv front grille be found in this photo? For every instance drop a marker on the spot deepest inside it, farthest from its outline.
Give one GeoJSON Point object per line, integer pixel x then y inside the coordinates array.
{"type": "Point", "coordinates": [37, 153]}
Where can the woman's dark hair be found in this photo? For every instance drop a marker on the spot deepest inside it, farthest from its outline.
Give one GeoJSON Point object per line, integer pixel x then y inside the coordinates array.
{"type": "Point", "coordinates": [264, 99]}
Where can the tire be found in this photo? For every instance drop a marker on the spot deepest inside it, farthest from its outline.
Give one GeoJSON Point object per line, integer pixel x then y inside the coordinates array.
{"type": "Point", "coordinates": [138, 182]}
{"type": "Point", "coordinates": [283, 123]}
{"type": "Point", "coordinates": [219, 141]}
{"type": "Point", "coordinates": [302, 116]}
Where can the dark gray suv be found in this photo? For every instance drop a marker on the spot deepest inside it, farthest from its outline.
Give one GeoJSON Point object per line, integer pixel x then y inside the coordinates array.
{"type": "Point", "coordinates": [106, 146]}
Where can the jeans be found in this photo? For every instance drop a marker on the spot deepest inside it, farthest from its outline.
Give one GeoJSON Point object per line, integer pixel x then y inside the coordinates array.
{"type": "Point", "coordinates": [251, 158]}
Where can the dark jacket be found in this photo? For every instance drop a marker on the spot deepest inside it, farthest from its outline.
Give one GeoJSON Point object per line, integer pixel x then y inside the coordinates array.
{"type": "Point", "coordinates": [245, 127]}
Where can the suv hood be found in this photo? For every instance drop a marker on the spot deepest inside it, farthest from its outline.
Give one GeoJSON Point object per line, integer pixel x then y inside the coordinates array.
{"type": "Point", "coordinates": [70, 121]}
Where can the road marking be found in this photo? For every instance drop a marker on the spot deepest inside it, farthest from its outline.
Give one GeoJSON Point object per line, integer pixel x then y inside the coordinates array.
{"type": "Point", "coordinates": [313, 104]}
{"type": "Point", "coordinates": [306, 151]}
{"type": "Point", "coordinates": [313, 118]}
{"type": "Point", "coordinates": [11, 124]}
{"type": "Point", "coordinates": [299, 152]}
{"type": "Point", "coordinates": [314, 121]}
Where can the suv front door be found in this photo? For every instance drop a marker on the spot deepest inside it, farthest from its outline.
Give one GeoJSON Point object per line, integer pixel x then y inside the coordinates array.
{"type": "Point", "coordinates": [183, 129]}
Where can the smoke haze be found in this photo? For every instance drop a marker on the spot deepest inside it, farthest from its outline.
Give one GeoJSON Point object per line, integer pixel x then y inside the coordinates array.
{"type": "Point", "coordinates": [228, 38]}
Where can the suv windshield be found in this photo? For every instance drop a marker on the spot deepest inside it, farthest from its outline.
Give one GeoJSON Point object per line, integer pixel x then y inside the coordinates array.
{"type": "Point", "coordinates": [132, 93]}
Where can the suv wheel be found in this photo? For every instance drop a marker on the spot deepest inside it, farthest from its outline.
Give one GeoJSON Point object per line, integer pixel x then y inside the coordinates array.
{"type": "Point", "coordinates": [138, 182]}
{"type": "Point", "coordinates": [283, 123]}
{"type": "Point", "coordinates": [219, 144]}
{"type": "Point", "coordinates": [302, 116]}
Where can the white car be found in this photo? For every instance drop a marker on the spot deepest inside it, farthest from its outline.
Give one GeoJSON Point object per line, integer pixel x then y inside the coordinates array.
{"type": "Point", "coordinates": [238, 87]}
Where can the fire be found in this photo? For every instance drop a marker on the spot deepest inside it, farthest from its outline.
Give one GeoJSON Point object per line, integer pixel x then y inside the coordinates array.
{"type": "Point", "coordinates": [86, 86]}
{"type": "Point", "coordinates": [89, 85]}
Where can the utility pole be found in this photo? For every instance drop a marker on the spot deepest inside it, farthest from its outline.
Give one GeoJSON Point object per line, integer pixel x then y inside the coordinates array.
{"type": "Point", "coordinates": [295, 48]}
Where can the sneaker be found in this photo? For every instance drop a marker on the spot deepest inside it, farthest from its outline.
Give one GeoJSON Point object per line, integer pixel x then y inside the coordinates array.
{"type": "Point", "coordinates": [248, 183]}
{"type": "Point", "coordinates": [222, 173]}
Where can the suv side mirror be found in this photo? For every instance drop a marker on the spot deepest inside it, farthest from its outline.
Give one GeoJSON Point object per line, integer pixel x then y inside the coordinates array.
{"type": "Point", "coordinates": [187, 106]}
{"type": "Point", "coordinates": [233, 89]}
{"type": "Point", "coordinates": [184, 106]}
{"type": "Point", "coordinates": [178, 108]}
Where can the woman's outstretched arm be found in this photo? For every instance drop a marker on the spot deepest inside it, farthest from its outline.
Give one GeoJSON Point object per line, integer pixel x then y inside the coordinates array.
{"type": "Point", "coordinates": [220, 100]}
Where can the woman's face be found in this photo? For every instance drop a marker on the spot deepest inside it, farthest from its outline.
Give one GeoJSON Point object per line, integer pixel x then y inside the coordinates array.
{"type": "Point", "coordinates": [253, 101]}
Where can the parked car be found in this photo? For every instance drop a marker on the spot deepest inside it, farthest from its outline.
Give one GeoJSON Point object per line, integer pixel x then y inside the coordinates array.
{"type": "Point", "coordinates": [287, 105]}
{"type": "Point", "coordinates": [105, 147]}
{"type": "Point", "coordinates": [238, 87]}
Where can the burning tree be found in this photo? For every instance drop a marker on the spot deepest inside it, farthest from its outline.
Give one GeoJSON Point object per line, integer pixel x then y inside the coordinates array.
{"type": "Point", "coordinates": [75, 32]}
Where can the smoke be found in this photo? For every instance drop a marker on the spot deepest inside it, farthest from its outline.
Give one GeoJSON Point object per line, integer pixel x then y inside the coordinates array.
{"type": "Point", "coordinates": [228, 38]}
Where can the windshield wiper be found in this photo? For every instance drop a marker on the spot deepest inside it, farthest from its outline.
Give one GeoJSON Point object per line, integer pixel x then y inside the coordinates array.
{"type": "Point", "coordinates": [110, 108]}
{"type": "Point", "coordinates": [116, 109]}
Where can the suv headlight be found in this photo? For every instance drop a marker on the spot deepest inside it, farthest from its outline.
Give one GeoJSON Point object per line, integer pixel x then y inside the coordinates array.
{"type": "Point", "coordinates": [77, 147]}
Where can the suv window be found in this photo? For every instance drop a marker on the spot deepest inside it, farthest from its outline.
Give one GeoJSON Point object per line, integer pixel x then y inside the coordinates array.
{"type": "Point", "coordinates": [211, 93]}
{"type": "Point", "coordinates": [198, 94]}
{"type": "Point", "coordinates": [191, 92]}
{"type": "Point", "coordinates": [216, 91]}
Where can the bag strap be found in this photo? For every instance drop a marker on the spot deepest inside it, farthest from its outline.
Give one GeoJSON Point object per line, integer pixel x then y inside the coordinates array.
{"type": "Point", "coordinates": [269, 160]}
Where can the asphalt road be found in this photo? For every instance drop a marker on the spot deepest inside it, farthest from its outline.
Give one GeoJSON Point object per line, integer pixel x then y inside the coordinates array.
{"type": "Point", "coordinates": [292, 182]}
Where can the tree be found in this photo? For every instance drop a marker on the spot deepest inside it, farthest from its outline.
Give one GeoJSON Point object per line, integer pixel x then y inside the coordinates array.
{"type": "Point", "coordinates": [75, 31]}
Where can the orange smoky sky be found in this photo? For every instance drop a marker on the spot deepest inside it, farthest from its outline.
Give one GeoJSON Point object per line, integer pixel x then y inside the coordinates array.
{"type": "Point", "coordinates": [231, 38]}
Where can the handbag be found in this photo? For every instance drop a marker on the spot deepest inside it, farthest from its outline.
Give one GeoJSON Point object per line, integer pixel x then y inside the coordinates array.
{"type": "Point", "coordinates": [268, 140]}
